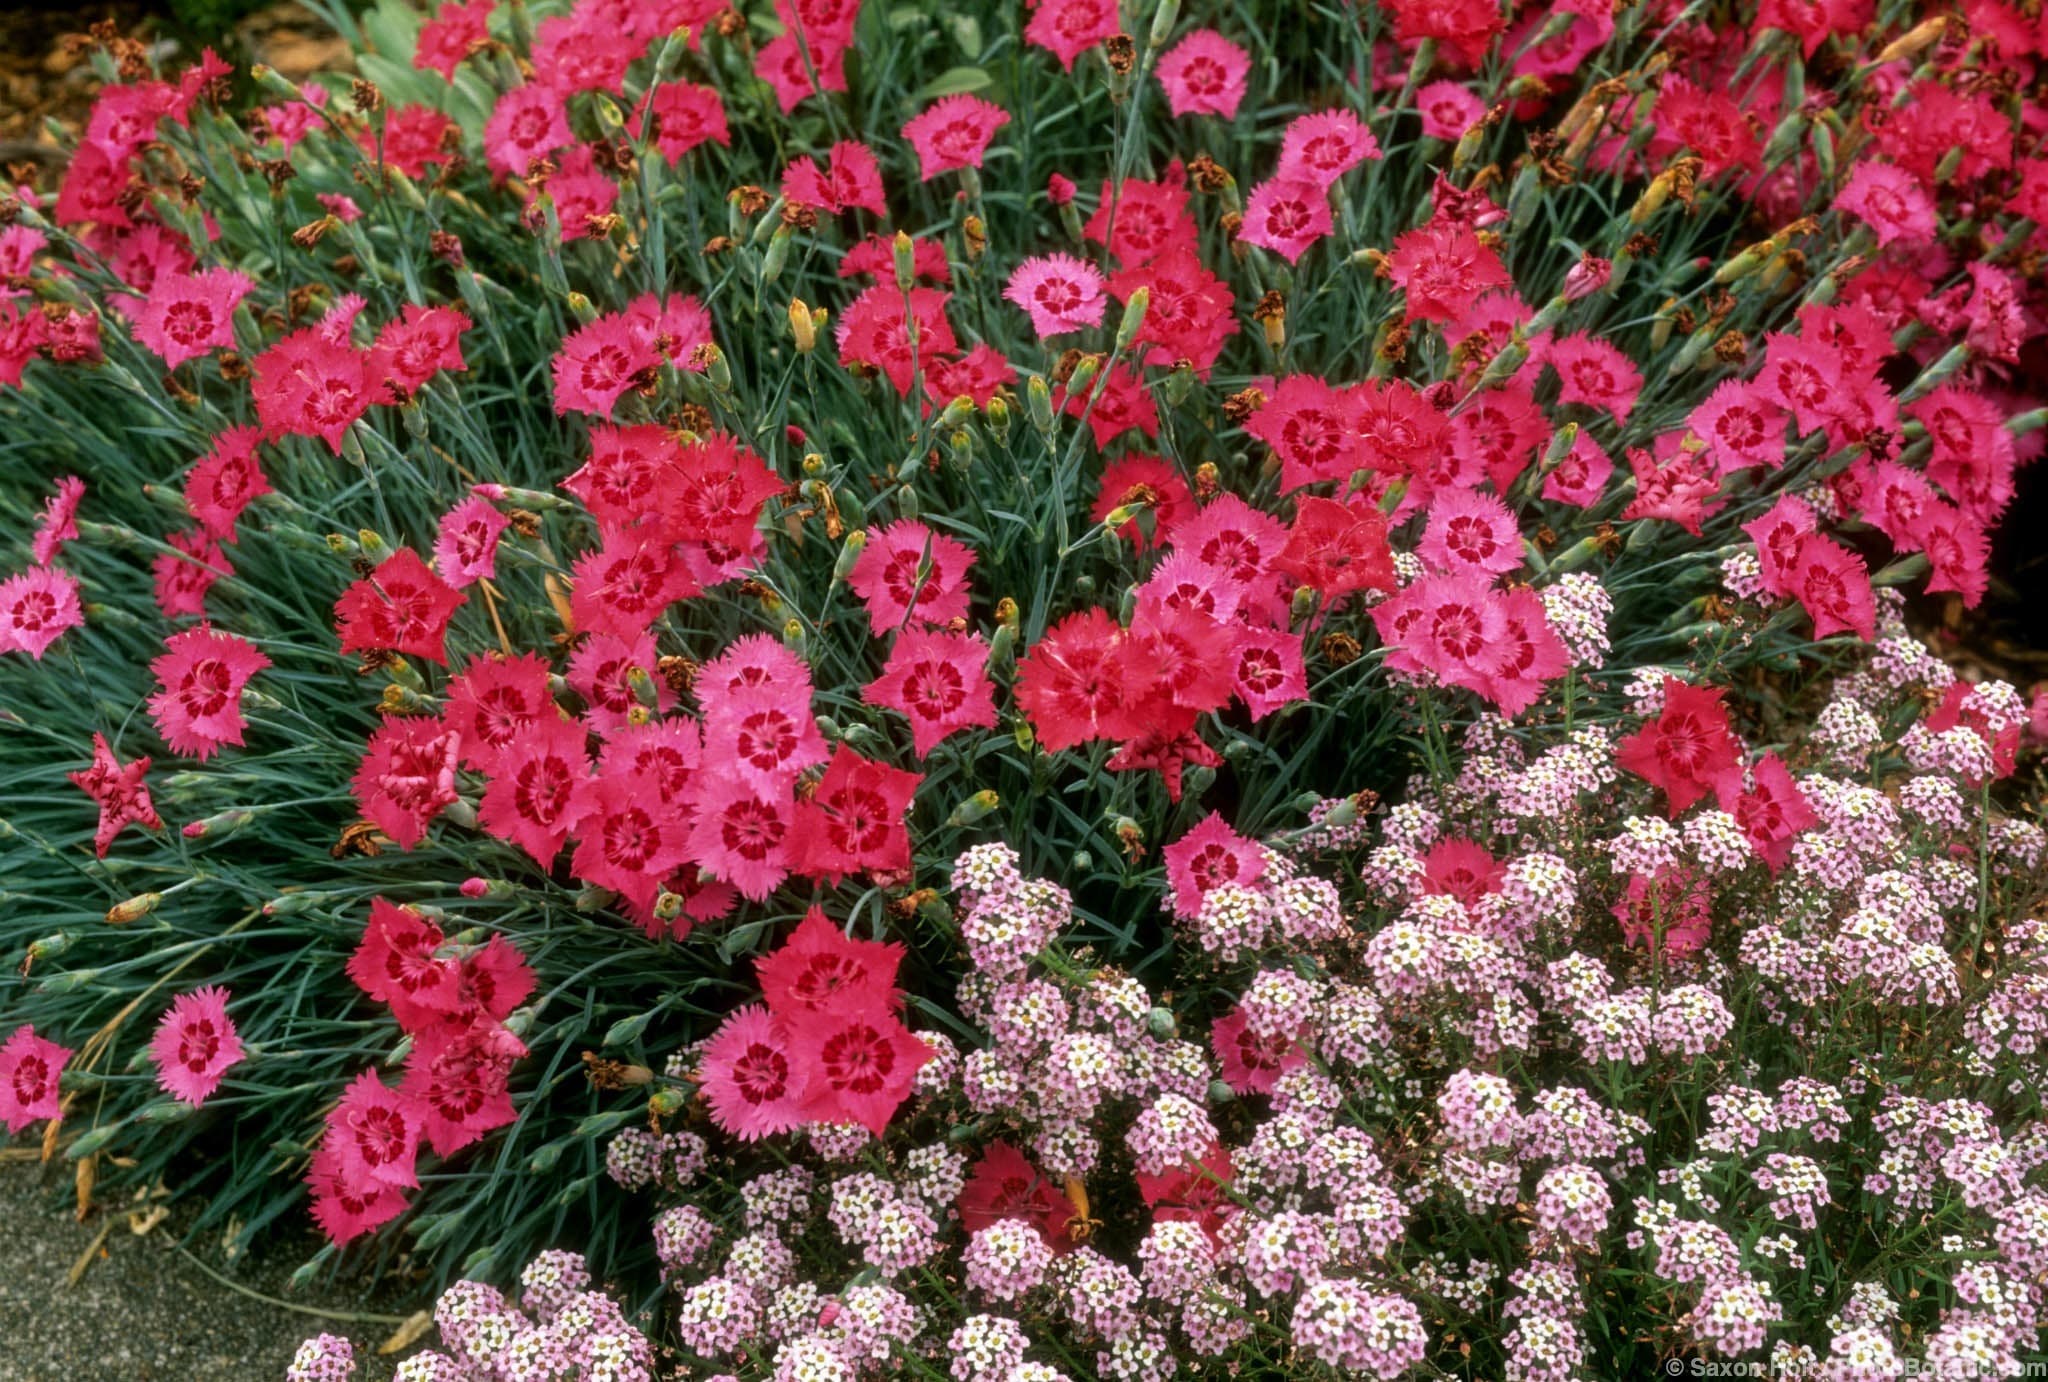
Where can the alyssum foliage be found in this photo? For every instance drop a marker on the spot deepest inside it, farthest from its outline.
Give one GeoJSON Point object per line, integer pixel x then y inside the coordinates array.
{"type": "Point", "coordinates": [544, 557]}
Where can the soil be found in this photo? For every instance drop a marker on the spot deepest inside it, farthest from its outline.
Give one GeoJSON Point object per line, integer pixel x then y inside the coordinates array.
{"type": "Point", "coordinates": [96, 1302]}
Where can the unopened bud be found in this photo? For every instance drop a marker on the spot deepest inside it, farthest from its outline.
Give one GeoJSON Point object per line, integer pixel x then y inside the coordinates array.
{"type": "Point", "coordinates": [220, 825]}
{"type": "Point", "coordinates": [134, 909]}
{"type": "Point", "coordinates": [974, 808]}
{"type": "Point", "coordinates": [802, 327]}
{"type": "Point", "coordinates": [905, 254]}
{"type": "Point", "coordinates": [956, 414]}
{"type": "Point", "coordinates": [1038, 402]}
{"type": "Point", "coordinates": [1163, 20]}
{"type": "Point", "coordinates": [849, 553]}
{"type": "Point", "coordinates": [1133, 319]}
{"type": "Point", "coordinates": [778, 254]}
{"type": "Point", "coordinates": [1916, 39]}
{"type": "Point", "coordinates": [717, 369]}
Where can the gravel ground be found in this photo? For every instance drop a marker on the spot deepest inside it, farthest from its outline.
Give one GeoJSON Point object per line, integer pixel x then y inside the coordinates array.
{"type": "Point", "coordinates": [144, 1312]}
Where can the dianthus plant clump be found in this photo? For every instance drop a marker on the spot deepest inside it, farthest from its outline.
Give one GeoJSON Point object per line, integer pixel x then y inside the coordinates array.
{"type": "Point", "coordinates": [813, 690]}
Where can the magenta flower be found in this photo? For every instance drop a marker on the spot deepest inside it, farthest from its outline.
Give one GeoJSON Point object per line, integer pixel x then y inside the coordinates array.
{"type": "Point", "coordinates": [599, 362]}
{"type": "Point", "coordinates": [1322, 147]}
{"type": "Point", "coordinates": [1470, 531]}
{"type": "Point", "coordinates": [1060, 292]}
{"type": "Point", "coordinates": [36, 607]}
{"type": "Point", "coordinates": [1209, 856]}
{"type": "Point", "coordinates": [311, 386]}
{"type": "Point", "coordinates": [1204, 75]}
{"type": "Point", "coordinates": [1069, 28]}
{"type": "Point", "coordinates": [59, 523]}
{"type": "Point", "coordinates": [1594, 372]}
{"type": "Point", "coordinates": [186, 315]}
{"type": "Point", "coordinates": [119, 789]}
{"type": "Point", "coordinates": [1286, 215]}
{"type": "Point", "coordinates": [530, 123]}
{"type": "Point", "coordinates": [224, 481]}
{"type": "Point", "coordinates": [202, 673]}
{"type": "Point", "coordinates": [938, 682]}
{"type": "Point", "coordinates": [455, 31]}
{"type": "Point", "coordinates": [953, 132]}
{"type": "Point", "coordinates": [1448, 109]}
{"type": "Point", "coordinates": [29, 1067]}
{"type": "Point", "coordinates": [685, 115]}
{"type": "Point", "coordinates": [195, 1044]}
{"type": "Point", "coordinates": [750, 1076]}
{"type": "Point", "coordinates": [467, 549]}
{"type": "Point", "coordinates": [1890, 201]}
{"type": "Point", "coordinates": [910, 573]}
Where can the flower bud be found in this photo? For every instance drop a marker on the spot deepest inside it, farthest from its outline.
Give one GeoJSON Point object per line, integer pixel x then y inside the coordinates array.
{"type": "Point", "coordinates": [642, 687]}
{"type": "Point", "coordinates": [1163, 20]}
{"type": "Point", "coordinates": [1001, 645]}
{"type": "Point", "coordinates": [717, 369]}
{"type": "Point", "coordinates": [48, 948]}
{"type": "Point", "coordinates": [70, 981]}
{"type": "Point", "coordinates": [1915, 40]}
{"type": "Point", "coordinates": [849, 553]}
{"type": "Point", "coordinates": [956, 414]}
{"type": "Point", "coordinates": [802, 327]}
{"type": "Point", "coordinates": [134, 909]}
{"type": "Point", "coordinates": [1133, 321]}
{"type": "Point", "coordinates": [1038, 401]}
{"type": "Point", "coordinates": [905, 255]}
{"type": "Point", "coordinates": [1561, 444]}
{"type": "Point", "coordinates": [627, 1030]}
{"type": "Point", "coordinates": [997, 415]}
{"type": "Point", "coordinates": [1587, 277]}
{"type": "Point", "coordinates": [1937, 374]}
{"type": "Point", "coordinates": [220, 825]}
{"type": "Point", "coordinates": [274, 82]}
{"type": "Point", "coordinates": [974, 808]}
{"type": "Point", "coordinates": [291, 904]}
{"type": "Point", "coordinates": [778, 254]}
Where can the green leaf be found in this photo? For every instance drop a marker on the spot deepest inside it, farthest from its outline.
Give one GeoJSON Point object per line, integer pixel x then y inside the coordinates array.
{"type": "Point", "coordinates": [955, 81]}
